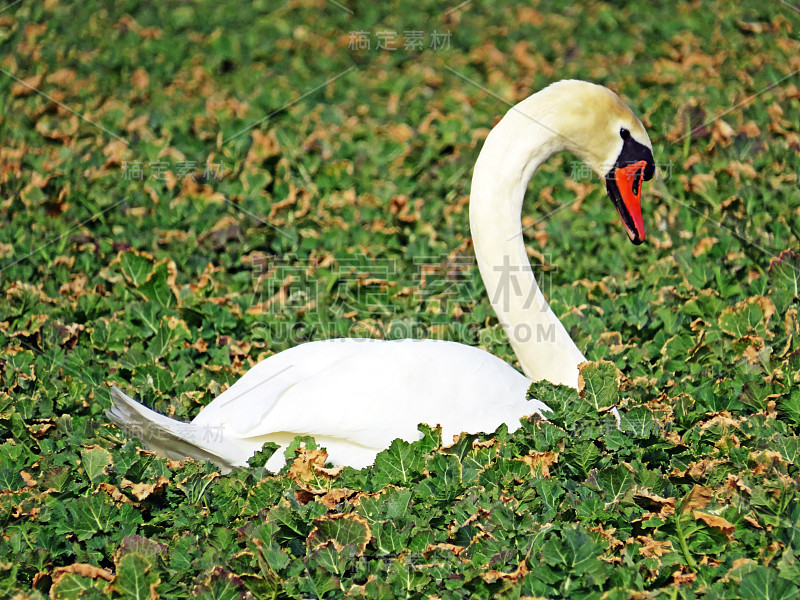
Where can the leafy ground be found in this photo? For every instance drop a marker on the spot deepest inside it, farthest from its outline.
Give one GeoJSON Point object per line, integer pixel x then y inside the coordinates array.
{"type": "Point", "coordinates": [187, 188]}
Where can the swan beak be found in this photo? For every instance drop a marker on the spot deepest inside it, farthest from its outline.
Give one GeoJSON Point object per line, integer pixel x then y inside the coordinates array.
{"type": "Point", "coordinates": [628, 182]}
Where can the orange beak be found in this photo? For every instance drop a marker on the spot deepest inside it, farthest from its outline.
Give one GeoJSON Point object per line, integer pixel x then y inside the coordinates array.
{"type": "Point", "coordinates": [629, 182]}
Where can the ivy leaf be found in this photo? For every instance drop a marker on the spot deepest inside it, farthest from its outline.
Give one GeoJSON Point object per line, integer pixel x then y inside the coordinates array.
{"type": "Point", "coordinates": [389, 539]}
{"type": "Point", "coordinates": [764, 583]}
{"type": "Point", "coordinates": [615, 481]}
{"type": "Point", "coordinates": [10, 479]}
{"type": "Point", "coordinates": [90, 515]}
{"type": "Point", "coordinates": [347, 529]}
{"type": "Point", "coordinates": [401, 463]}
{"type": "Point", "coordinates": [135, 266]}
{"type": "Point", "coordinates": [135, 579]}
{"type": "Point", "coordinates": [564, 402]}
{"type": "Point", "coordinates": [95, 461]}
{"type": "Point", "coordinates": [639, 421]}
{"type": "Point", "coordinates": [784, 278]}
{"type": "Point", "coordinates": [598, 384]}
{"type": "Point", "coordinates": [159, 287]}
{"type": "Point", "coordinates": [574, 551]}
{"type": "Point", "coordinates": [71, 586]}
{"type": "Point", "coordinates": [260, 457]}
{"type": "Point", "coordinates": [221, 584]}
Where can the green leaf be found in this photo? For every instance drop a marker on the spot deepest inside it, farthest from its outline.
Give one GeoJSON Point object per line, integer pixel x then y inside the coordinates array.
{"type": "Point", "coordinates": [444, 477]}
{"type": "Point", "coordinates": [221, 584]}
{"type": "Point", "coordinates": [135, 266]}
{"type": "Point", "coordinates": [95, 462]}
{"type": "Point", "coordinates": [583, 455]}
{"type": "Point", "coordinates": [575, 552]}
{"type": "Point", "coordinates": [161, 343]}
{"type": "Point", "coordinates": [8, 578]}
{"type": "Point", "coordinates": [260, 458]}
{"type": "Point", "coordinates": [565, 404]}
{"type": "Point", "coordinates": [73, 587]}
{"type": "Point", "coordinates": [789, 406]}
{"type": "Point", "coordinates": [401, 463]}
{"type": "Point", "coordinates": [476, 460]}
{"type": "Point", "coordinates": [748, 317]}
{"type": "Point", "coordinates": [431, 438]}
{"type": "Point", "coordinates": [348, 529]}
{"type": "Point", "coordinates": [557, 397]}
{"type": "Point", "coordinates": [598, 384]}
{"type": "Point", "coordinates": [639, 421]}
{"type": "Point", "coordinates": [327, 557]}
{"type": "Point", "coordinates": [156, 288]}
{"type": "Point", "coordinates": [195, 486]}
{"type": "Point", "coordinates": [389, 539]}
{"type": "Point", "coordinates": [764, 583]}
{"type": "Point", "coordinates": [10, 479]}
{"type": "Point", "coordinates": [615, 481]}
{"type": "Point", "coordinates": [90, 515]}
{"type": "Point", "coordinates": [135, 579]}
{"type": "Point", "coordinates": [784, 278]}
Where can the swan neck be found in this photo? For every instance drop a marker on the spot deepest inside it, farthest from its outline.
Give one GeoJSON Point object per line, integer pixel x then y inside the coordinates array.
{"type": "Point", "coordinates": [510, 156]}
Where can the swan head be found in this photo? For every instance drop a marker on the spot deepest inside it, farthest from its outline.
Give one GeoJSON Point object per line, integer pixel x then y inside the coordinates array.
{"type": "Point", "coordinates": [599, 128]}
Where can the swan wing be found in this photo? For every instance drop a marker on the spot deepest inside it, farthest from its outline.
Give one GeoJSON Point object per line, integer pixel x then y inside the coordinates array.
{"type": "Point", "coordinates": [356, 396]}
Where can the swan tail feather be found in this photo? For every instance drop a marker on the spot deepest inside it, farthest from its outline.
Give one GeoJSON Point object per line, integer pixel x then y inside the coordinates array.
{"type": "Point", "coordinates": [164, 436]}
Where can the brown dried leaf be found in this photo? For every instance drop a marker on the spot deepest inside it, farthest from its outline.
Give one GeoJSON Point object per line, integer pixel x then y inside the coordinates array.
{"type": "Point", "coordinates": [703, 246]}
{"type": "Point", "coordinates": [140, 79]}
{"type": "Point", "coordinates": [665, 506]}
{"type": "Point", "coordinates": [765, 460]}
{"type": "Point", "coordinates": [25, 87]}
{"type": "Point", "coordinates": [753, 521]}
{"type": "Point", "coordinates": [115, 494]}
{"type": "Point", "coordinates": [735, 482]}
{"type": "Point", "coordinates": [83, 570]}
{"type": "Point", "coordinates": [333, 498]}
{"type": "Point", "coordinates": [144, 490]}
{"type": "Point", "coordinates": [513, 577]}
{"type": "Point", "coordinates": [309, 472]}
{"type": "Point", "coordinates": [540, 462]}
{"type": "Point", "coordinates": [722, 420]}
{"type": "Point", "coordinates": [715, 521]}
{"type": "Point", "coordinates": [680, 578]}
{"type": "Point", "coordinates": [697, 498]}
{"type": "Point", "coordinates": [721, 132]}
{"type": "Point", "coordinates": [702, 182]}
{"type": "Point", "coordinates": [654, 548]}
{"type": "Point", "coordinates": [443, 546]}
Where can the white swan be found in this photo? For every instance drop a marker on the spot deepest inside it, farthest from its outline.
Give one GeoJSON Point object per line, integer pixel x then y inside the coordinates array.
{"type": "Point", "coordinates": [357, 395]}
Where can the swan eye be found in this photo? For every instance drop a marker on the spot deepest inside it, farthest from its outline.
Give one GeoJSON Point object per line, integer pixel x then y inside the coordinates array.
{"type": "Point", "coordinates": [624, 133]}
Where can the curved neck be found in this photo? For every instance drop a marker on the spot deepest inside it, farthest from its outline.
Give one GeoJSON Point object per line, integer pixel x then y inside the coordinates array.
{"type": "Point", "coordinates": [511, 154]}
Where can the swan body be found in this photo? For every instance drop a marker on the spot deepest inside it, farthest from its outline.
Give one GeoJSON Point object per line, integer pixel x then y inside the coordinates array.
{"type": "Point", "coordinates": [355, 396]}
